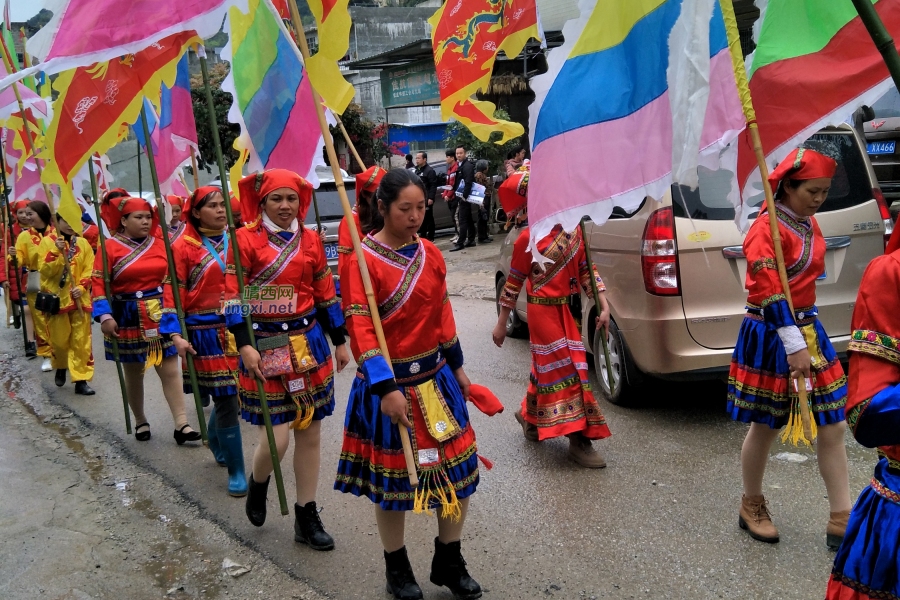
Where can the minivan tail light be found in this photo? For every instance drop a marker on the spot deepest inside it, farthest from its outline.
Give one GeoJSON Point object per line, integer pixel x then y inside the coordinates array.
{"type": "Point", "coordinates": [885, 215]}
{"type": "Point", "coordinates": [659, 254]}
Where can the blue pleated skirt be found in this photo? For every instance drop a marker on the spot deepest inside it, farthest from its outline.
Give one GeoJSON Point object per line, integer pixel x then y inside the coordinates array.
{"type": "Point", "coordinates": [867, 565]}
{"type": "Point", "coordinates": [133, 344]}
{"type": "Point", "coordinates": [372, 462]}
{"type": "Point", "coordinates": [759, 386]}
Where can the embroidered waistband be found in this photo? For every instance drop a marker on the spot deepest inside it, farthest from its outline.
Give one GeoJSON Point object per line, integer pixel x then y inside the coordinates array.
{"type": "Point", "coordinates": [417, 369]}
{"type": "Point", "coordinates": [885, 492]}
{"type": "Point", "coordinates": [804, 315]}
{"type": "Point", "coordinates": [140, 295]}
{"type": "Point", "coordinates": [548, 300]}
{"type": "Point", "coordinates": [267, 327]}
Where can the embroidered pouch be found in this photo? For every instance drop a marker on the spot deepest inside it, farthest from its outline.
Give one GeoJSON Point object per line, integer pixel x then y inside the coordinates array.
{"type": "Point", "coordinates": [438, 418]}
{"type": "Point", "coordinates": [150, 314]}
{"type": "Point", "coordinates": [275, 356]}
{"type": "Point", "coordinates": [230, 344]}
{"type": "Point", "coordinates": [303, 358]}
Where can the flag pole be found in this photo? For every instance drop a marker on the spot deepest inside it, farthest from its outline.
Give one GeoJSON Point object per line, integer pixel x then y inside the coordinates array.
{"type": "Point", "coordinates": [880, 36]}
{"type": "Point", "coordinates": [184, 183]}
{"type": "Point", "coordinates": [173, 276]}
{"type": "Point", "coordinates": [740, 74]}
{"type": "Point", "coordinates": [140, 177]}
{"type": "Point", "coordinates": [340, 123]}
{"type": "Point", "coordinates": [194, 169]}
{"type": "Point", "coordinates": [597, 305]}
{"type": "Point", "coordinates": [9, 218]}
{"type": "Point", "coordinates": [239, 273]}
{"type": "Point", "coordinates": [9, 309]}
{"type": "Point", "coordinates": [354, 235]}
{"type": "Point", "coordinates": [7, 61]}
{"type": "Point", "coordinates": [107, 289]}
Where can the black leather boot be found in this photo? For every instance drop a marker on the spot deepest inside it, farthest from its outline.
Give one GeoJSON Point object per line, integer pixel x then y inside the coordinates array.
{"type": "Point", "coordinates": [82, 388]}
{"type": "Point", "coordinates": [256, 500]}
{"type": "Point", "coordinates": [60, 377]}
{"type": "Point", "coordinates": [401, 583]}
{"type": "Point", "coordinates": [308, 528]}
{"type": "Point", "coordinates": [31, 349]}
{"type": "Point", "coordinates": [448, 568]}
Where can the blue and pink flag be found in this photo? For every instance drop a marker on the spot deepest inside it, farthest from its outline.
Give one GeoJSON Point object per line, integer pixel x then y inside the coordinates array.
{"type": "Point", "coordinates": [173, 131]}
{"type": "Point", "coordinates": [602, 122]}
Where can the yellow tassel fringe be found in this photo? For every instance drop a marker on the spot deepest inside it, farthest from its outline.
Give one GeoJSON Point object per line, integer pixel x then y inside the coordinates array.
{"type": "Point", "coordinates": [435, 485]}
{"type": "Point", "coordinates": [304, 418]}
{"type": "Point", "coordinates": [154, 354]}
{"type": "Point", "coordinates": [794, 429]}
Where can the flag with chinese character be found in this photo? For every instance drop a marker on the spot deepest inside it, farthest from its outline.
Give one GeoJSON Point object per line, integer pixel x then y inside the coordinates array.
{"type": "Point", "coordinates": [96, 102]}
{"type": "Point", "coordinates": [466, 36]}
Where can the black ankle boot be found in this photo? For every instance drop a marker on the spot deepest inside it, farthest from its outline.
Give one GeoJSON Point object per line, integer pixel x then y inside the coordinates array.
{"type": "Point", "coordinates": [256, 500]}
{"type": "Point", "coordinates": [401, 583]}
{"type": "Point", "coordinates": [308, 528]}
{"type": "Point", "coordinates": [448, 568]}
{"type": "Point", "coordinates": [60, 378]}
{"type": "Point", "coordinates": [82, 388]}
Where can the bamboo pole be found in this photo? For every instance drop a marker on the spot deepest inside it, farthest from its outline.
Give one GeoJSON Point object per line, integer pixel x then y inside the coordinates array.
{"type": "Point", "coordinates": [359, 160]}
{"type": "Point", "coordinates": [107, 289]}
{"type": "Point", "coordinates": [239, 272]}
{"type": "Point", "coordinates": [140, 176]}
{"type": "Point", "coordinates": [6, 248]}
{"type": "Point", "coordinates": [354, 235]}
{"type": "Point", "coordinates": [173, 276]}
{"type": "Point", "coordinates": [880, 36]}
{"type": "Point", "coordinates": [597, 305]}
{"type": "Point", "coordinates": [184, 183]}
{"type": "Point", "coordinates": [18, 275]}
{"type": "Point", "coordinates": [194, 169]}
{"type": "Point", "coordinates": [7, 61]}
{"type": "Point", "coordinates": [316, 208]}
{"type": "Point", "coordinates": [740, 73]}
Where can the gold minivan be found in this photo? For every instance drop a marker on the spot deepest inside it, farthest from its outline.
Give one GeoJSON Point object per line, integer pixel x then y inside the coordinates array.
{"type": "Point", "coordinates": [675, 272]}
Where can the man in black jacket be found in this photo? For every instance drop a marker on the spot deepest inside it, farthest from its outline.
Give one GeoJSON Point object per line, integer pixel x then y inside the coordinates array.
{"type": "Point", "coordinates": [465, 173]}
{"type": "Point", "coordinates": [430, 179]}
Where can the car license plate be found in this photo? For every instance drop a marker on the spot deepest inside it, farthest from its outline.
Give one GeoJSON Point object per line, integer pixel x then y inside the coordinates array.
{"type": "Point", "coordinates": [880, 147]}
{"type": "Point", "coordinates": [331, 252]}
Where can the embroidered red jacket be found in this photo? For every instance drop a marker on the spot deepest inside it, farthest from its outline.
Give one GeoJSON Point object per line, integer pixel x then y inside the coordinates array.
{"type": "Point", "coordinates": [286, 278]}
{"type": "Point", "coordinates": [873, 405]}
{"type": "Point", "coordinates": [804, 257]}
{"type": "Point", "coordinates": [345, 249]}
{"type": "Point", "coordinates": [133, 267]}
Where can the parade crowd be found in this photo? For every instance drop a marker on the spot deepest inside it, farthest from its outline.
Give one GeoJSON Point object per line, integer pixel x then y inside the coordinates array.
{"type": "Point", "coordinates": [64, 282]}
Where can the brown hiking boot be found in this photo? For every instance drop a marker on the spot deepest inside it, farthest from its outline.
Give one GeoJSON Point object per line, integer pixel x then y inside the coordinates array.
{"type": "Point", "coordinates": [754, 517]}
{"type": "Point", "coordinates": [529, 429]}
{"type": "Point", "coordinates": [583, 452]}
{"type": "Point", "coordinates": [836, 528]}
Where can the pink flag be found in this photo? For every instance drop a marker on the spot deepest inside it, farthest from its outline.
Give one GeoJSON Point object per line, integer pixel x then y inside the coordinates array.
{"type": "Point", "coordinates": [83, 32]}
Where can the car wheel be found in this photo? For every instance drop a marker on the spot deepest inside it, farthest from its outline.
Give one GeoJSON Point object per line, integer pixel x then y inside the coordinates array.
{"type": "Point", "coordinates": [515, 328]}
{"type": "Point", "coordinates": [622, 393]}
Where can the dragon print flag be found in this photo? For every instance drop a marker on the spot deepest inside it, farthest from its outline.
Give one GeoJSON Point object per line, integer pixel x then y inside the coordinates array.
{"type": "Point", "coordinates": [466, 36]}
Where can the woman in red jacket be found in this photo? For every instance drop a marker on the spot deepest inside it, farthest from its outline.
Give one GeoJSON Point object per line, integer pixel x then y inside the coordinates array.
{"type": "Point", "coordinates": [137, 266]}
{"type": "Point", "coordinates": [202, 259]}
{"type": "Point", "coordinates": [289, 285]}
{"type": "Point", "coordinates": [775, 346]}
{"type": "Point", "coordinates": [366, 185]}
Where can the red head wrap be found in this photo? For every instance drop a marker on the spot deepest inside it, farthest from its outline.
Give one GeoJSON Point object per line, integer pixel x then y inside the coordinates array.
{"type": "Point", "coordinates": [117, 208]}
{"type": "Point", "coordinates": [235, 205]}
{"type": "Point", "coordinates": [369, 180]}
{"type": "Point", "coordinates": [175, 201]}
{"type": "Point", "coordinates": [803, 163]}
{"type": "Point", "coordinates": [254, 188]}
{"type": "Point", "coordinates": [20, 205]}
{"type": "Point", "coordinates": [513, 192]}
{"type": "Point", "coordinates": [199, 194]}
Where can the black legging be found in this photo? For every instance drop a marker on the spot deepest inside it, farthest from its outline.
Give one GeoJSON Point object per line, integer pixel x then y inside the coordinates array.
{"type": "Point", "coordinates": [228, 408]}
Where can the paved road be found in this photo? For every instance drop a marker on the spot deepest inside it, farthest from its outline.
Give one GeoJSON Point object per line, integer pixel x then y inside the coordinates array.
{"type": "Point", "coordinates": [660, 521]}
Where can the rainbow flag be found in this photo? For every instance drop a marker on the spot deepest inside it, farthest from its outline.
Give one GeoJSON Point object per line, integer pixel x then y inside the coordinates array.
{"type": "Point", "coordinates": [273, 101]}
{"type": "Point", "coordinates": [814, 65]}
{"type": "Point", "coordinates": [602, 122]}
